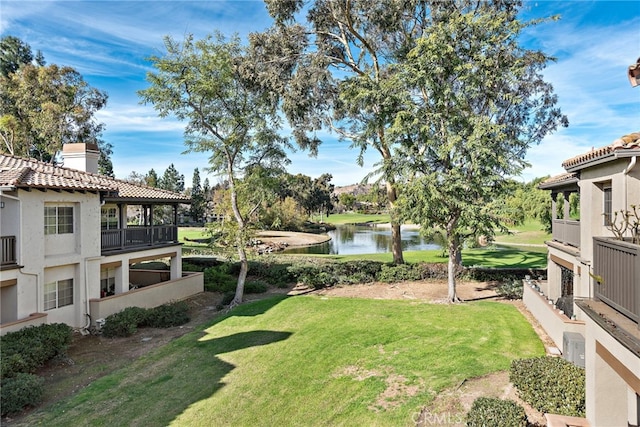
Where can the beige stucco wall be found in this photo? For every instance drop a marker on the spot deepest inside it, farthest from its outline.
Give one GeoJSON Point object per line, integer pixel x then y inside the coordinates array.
{"type": "Point", "coordinates": [550, 318]}
{"type": "Point", "coordinates": [612, 379]}
{"type": "Point", "coordinates": [52, 257]}
{"type": "Point", "coordinates": [625, 192]}
{"type": "Point", "coordinates": [150, 296]}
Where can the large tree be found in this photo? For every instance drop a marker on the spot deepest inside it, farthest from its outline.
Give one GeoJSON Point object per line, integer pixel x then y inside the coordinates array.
{"type": "Point", "coordinates": [477, 101]}
{"type": "Point", "coordinates": [336, 68]}
{"type": "Point", "coordinates": [199, 82]}
{"type": "Point", "coordinates": [43, 107]}
{"type": "Point", "coordinates": [14, 53]}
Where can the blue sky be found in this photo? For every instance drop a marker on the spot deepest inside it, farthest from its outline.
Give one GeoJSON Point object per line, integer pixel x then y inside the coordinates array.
{"type": "Point", "coordinates": [108, 43]}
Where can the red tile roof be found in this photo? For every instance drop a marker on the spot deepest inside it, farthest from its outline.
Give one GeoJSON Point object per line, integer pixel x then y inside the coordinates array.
{"type": "Point", "coordinates": [558, 181]}
{"type": "Point", "coordinates": [627, 142]}
{"type": "Point", "coordinates": [17, 172]}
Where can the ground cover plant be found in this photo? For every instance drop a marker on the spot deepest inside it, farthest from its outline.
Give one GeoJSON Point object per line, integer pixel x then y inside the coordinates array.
{"type": "Point", "coordinates": [306, 360]}
{"type": "Point", "coordinates": [550, 384]}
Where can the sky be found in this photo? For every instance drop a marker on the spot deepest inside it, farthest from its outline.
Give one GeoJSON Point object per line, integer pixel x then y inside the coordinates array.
{"type": "Point", "coordinates": [109, 42]}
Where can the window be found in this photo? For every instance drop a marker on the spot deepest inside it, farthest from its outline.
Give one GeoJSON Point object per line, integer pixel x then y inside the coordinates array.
{"type": "Point", "coordinates": [606, 191]}
{"type": "Point", "coordinates": [58, 219]}
{"type": "Point", "coordinates": [58, 294]}
{"type": "Point", "coordinates": [107, 282]}
{"type": "Point", "coordinates": [109, 218]}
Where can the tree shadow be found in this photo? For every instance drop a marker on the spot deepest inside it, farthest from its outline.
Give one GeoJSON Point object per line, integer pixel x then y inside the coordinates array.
{"type": "Point", "coordinates": [242, 340]}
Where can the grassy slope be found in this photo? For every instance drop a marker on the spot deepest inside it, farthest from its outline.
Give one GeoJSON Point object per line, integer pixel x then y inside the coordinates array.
{"type": "Point", "coordinates": [529, 233]}
{"type": "Point", "coordinates": [306, 361]}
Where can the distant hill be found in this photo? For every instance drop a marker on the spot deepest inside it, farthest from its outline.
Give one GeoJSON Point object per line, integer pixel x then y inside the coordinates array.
{"type": "Point", "coordinates": [355, 189]}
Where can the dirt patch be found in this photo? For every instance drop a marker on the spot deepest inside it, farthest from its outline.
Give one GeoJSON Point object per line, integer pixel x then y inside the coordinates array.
{"type": "Point", "coordinates": [91, 357]}
{"type": "Point", "coordinates": [453, 404]}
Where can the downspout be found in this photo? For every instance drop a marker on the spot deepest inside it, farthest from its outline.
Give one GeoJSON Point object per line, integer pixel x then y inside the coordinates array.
{"type": "Point", "coordinates": [625, 172]}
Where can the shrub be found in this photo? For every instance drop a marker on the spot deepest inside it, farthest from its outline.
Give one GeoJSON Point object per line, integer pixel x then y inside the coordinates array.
{"type": "Point", "coordinates": [276, 274]}
{"type": "Point", "coordinates": [167, 315]}
{"type": "Point", "coordinates": [487, 411]}
{"type": "Point", "coordinates": [186, 266]}
{"type": "Point", "coordinates": [255, 287]}
{"type": "Point", "coordinates": [218, 279]}
{"type": "Point", "coordinates": [20, 391]}
{"type": "Point", "coordinates": [227, 298]}
{"type": "Point", "coordinates": [550, 384]}
{"type": "Point", "coordinates": [28, 349]}
{"type": "Point", "coordinates": [398, 273]}
{"type": "Point", "coordinates": [511, 289]}
{"type": "Point", "coordinates": [124, 323]}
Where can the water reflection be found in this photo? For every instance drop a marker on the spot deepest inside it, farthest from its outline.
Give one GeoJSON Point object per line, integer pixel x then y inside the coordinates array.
{"type": "Point", "coordinates": [354, 239]}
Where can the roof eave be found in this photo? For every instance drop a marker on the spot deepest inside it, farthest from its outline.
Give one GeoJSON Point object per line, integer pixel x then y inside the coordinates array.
{"type": "Point", "coordinates": [590, 163]}
{"type": "Point", "coordinates": [146, 201]}
{"type": "Point", "coordinates": [568, 183]}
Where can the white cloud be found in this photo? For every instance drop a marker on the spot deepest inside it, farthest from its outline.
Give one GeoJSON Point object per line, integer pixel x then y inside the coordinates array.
{"type": "Point", "coordinates": [128, 118]}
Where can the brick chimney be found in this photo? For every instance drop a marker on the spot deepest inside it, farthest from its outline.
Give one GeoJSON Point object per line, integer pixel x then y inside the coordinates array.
{"type": "Point", "coordinates": [80, 156]}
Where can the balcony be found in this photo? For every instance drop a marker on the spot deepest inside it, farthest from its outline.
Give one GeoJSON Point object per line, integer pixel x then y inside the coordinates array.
{"type": "Point", "coordinates": [9, 256]}
{"type": "Point", "coordinates": [566, 231]}
{"type": "Point", "coordinates": [616, 271]}
{"type": "Point", "coordinates": [137, 237]}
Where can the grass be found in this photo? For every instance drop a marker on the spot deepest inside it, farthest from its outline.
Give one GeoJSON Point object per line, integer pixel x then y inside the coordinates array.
{"type": "Point", "coordinates": [355, 218]}
{"type": "Point", "coordinates": [485, 257]}
{"type": "Point", "coordinates": [529, 233]}
{"type": "Point", "coordinates": [306, 360]}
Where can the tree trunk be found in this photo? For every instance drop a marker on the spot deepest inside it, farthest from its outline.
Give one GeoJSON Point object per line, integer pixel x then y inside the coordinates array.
{"type": "Point", "coordinates": [453, 243]}
{"type": "Point", "coordinates": [244, 268]}
{"type": "Point", "coordinates": [240, 243]}
{"type": "Point", "coordinates": [396, 237]}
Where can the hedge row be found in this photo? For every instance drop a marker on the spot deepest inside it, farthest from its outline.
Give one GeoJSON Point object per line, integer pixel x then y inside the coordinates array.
{"type": "Point", "coordinates": [318, 273]}
{"type": "Point", "coordinates": [21, 354]}
{"type": "Point", "coordinates": [126, 322]}
{"type": "Point", "coordinates": [550, 384]}
{"type": "Point", "coordinates": [30, 348]}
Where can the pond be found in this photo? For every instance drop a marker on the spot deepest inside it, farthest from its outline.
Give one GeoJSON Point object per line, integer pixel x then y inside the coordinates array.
{"type": "Point", "coordinates": [361, 239]}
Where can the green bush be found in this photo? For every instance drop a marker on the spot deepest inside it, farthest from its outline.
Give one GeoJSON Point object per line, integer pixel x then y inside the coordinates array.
{"type": "Point", "coordinates": [167, 315]}
{"type": "Point", "coordinates": [124, 323]}
{"type": "Point", "coordinates": [20, 391]}
{"type": "Point", "coordinates": [277, 274]}
{"type": "Point", "coordinates": [219, 279]}
{"type": "Point", "coordinates": [494, 412]}
{"type": "Point", "coordinates": [186, 266]}
{"type": "Point", "coordinates": [255, 287]}
{"type": "Point", "coordinates": [398, 273]}
{"type": "Point", "coordinates": [227, 298]}
{"type": "Point", "coordinates": [29, 348]}
{"type": "Point", "coordinates": [511, 289]}
{"type": "Point", "coordinates": [550, 384]}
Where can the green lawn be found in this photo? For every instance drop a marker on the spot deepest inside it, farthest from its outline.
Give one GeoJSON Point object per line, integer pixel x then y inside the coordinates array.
{"type": "Point", "coordinates": [355, 218]}
{"type": "Point", "coordinates": [529, 233]}
{"type": "Point", "coordinates": [306, 360]}
{"type": "Point", "coordinates": [485, 257]}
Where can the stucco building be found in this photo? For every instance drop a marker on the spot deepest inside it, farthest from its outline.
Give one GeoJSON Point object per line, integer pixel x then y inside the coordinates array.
{"type": "Point", "coordinates": [68, 245]}
{"type": "Point", "coordinates": [590, 303]}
